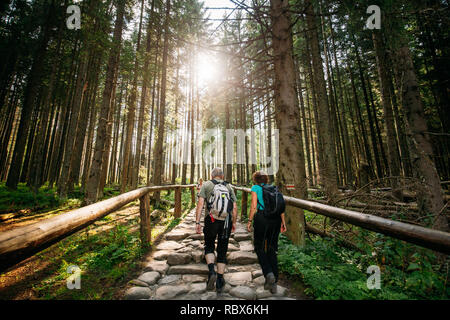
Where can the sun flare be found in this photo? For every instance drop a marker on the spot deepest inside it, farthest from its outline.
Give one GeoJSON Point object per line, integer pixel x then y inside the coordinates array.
{"type": "Point", "coordinates": [208, 69]}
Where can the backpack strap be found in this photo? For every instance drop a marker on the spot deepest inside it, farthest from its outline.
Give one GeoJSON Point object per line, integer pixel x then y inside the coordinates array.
{"type": "Point", "coordinates": [260, 204]}
{"type": "Point", "coordinates": [262, 190]}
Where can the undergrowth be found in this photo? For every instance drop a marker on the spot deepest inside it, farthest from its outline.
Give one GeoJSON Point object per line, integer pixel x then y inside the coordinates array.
{"type": "Point", "coordinates": [106, 258]}
{"type": "Point", "coordinates": [331, 271]}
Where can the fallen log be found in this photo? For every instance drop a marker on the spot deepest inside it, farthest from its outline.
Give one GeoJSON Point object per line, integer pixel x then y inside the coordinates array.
{"type": "Point", "coordinates": [348, 244]}
{"type": "Point", "coordinates": [361, 205]}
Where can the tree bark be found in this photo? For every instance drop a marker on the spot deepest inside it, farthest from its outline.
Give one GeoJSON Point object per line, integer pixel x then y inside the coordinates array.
{"type": "Point", "coordinates": [113, 61]}
{"type": "Point", "coordinates": [131, 116]}
{"type": "Point", "coordinates": [393, 154]}
{"type": "Point", "coordinates": [29, 101]}
{"type": "Point", "coordinates": [327, 151]}
{"type": "Point", "coordinates": [291, 158]}
{"type": "Point", "coordinates": [429, 191]}
{"type": "Point", "coordinates": [158, 150]}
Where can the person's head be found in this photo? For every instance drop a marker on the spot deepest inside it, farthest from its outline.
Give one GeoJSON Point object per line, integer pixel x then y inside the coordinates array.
{"type": "Point", "coordinates": [217, 173]}
{"type": "Point", "coordinates": [260, 177]}
{"type": "Point", "coordinates": [200, 181]}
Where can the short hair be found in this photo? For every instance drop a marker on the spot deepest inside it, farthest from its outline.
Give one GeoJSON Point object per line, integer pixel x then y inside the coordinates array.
{"type": "Point", "coordinates": [260, 177]}
{"type": "Point", "coordinates": [216, 172]}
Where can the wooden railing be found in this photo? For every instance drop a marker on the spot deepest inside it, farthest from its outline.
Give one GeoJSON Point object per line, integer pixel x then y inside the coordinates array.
{"type": "Point", "coordinates": [425, 237]}
{"type": "Point", "coordinates": [22, 242]}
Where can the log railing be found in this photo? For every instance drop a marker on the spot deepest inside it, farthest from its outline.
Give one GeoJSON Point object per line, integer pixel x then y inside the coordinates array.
{"type": "Point", "coordinates": [22, 242]}
{"type": "Point", "coordinates": [425, 237]}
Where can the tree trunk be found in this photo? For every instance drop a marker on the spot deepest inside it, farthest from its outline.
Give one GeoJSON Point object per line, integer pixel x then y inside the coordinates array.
{"type": "Point", "coordinates": [95, 169]}
{"type": "Point", "coordinates": [429, 191]}
{"type": "Point", "coordinates": [369, 115]}
{"type": "Point", "coordinates": [393, 154]}
{"type": "Point", "coordinates": [131, 116]}
{"type": "Point", "coordinates": [140, 145]}
{"type": "Point", "coordinates": [291, 158]}
{"type": "Point", "coordinates": [29, 101]}
{"type": "Point", "coordinates": [158, 150]}
{"type": "Point", "coordinates": [327, 151]}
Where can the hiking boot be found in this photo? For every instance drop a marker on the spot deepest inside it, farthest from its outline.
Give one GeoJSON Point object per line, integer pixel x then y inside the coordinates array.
{"type": "Point", "coordinates": [212, 276]}
{"type": "Point", "coordinates": [274, 288]}
{"type": "Point", "coordinates": [220, 284]}
{"type": "Point", "coordinates": [270, 280]}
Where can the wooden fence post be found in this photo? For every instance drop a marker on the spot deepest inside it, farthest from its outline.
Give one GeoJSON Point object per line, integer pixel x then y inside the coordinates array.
{"type": "Point", "coordinates": [145, 227]}
{"type": "Point", "coordinates": [193, 195]}
{"type": "Point", "coordinates": [177, 211]}
{"type": "Point", "coordinates": [244, 205]}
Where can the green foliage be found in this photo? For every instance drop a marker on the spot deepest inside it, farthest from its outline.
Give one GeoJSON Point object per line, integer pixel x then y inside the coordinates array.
{"type": "Point", "coordinates": [104, 258]}
{"type": "Point", "coordinates": [45, 199]}
{"type": "Point", "coordinates": [24, 198]}
{"type": "Point", "coordinates": [122, 248]}
{"type": "Point", "coordinates": [111, 191]}
{"type": "Point", "coordinates": [333, 272]}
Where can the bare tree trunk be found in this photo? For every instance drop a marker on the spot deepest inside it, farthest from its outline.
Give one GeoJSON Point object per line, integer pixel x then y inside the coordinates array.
{"type": "Point", "coordinates": [95, 169]}
{"type": "Point", "coordinates": [228, 162]}
{"type": "Point", "coordinates": [177, 103]}
{"type": "Point", "coordinates": [192, 82]}
{"type": "Point", "coordinates": [158, 150]}
{"type": "Point", "coordinates": [327, 151]}
{"type": "Point", "coordinates": [292, 165]}
{"type": "Point", "coordinates": [360, 121]}
{"type": "Point", "coordinates": [29, 101]}
{"type": "Point", "coordinates": [393, 154]}
{"type": "Point", "coordinates": [369, 115]}
{"type": "Point", "coordinates": [140, 145]}
{"type": "Point", "coordinates": [131, 115]}
{"type": "Point", "coordinates": [429, 192]}
{"type": "Point", "coordinates": [350, 177]}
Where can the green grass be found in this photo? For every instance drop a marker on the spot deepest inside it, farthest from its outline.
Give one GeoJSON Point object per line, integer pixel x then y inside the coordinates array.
{"type": "Point", "coordinates": [44, 200]}
{"type": "Point", "coordinates": [105, 260]}
{"type": "Point", "coordinates": [332, 272]}
{"type": "Point", "coordinates": [24, 198]}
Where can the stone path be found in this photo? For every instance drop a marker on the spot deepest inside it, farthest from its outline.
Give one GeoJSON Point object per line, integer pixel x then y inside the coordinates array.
{"type": "Point", "coordinates": [178, 270]}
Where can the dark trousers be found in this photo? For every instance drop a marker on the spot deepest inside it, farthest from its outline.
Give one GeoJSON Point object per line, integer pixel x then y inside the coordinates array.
{"type": "Point", "coordinates": [213, 230]}
{"type": "Point", "coordinates": [266, 234]}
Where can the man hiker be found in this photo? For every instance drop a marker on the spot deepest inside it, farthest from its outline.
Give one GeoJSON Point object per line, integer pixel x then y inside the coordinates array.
{"type": "Point", "coordinates": [220, 221]}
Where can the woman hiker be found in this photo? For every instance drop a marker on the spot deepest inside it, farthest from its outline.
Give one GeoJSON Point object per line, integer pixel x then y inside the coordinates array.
{"type": "Point", "coordinates": [266, 232]}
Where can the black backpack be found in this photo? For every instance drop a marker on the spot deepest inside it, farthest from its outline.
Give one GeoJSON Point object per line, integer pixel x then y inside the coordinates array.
{"type": "Point", "coordinates": [274, 204]}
